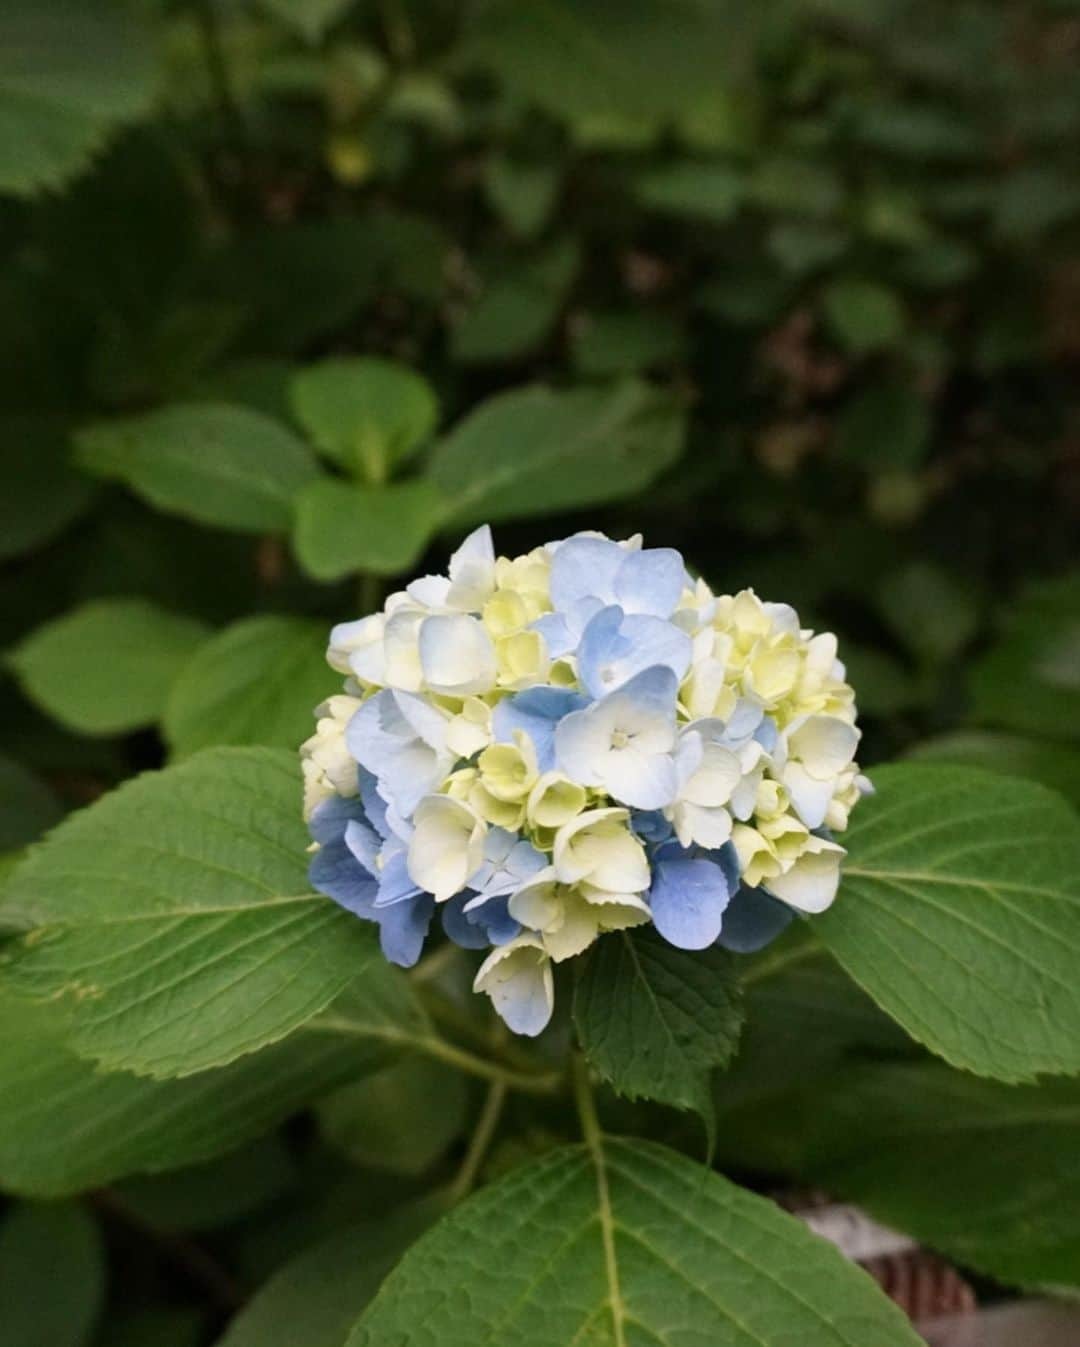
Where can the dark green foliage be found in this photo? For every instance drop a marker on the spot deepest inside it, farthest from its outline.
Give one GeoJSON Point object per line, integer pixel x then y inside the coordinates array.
{"type": "Point", "coordinates": [293, 292]}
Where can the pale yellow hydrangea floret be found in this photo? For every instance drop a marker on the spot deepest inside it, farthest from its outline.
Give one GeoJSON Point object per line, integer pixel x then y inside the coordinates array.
{"type": "Point", "coordinates": [569, 917]}
{"type": "Point", "coordinates": [470, 731]}
{"type": "Point", "coordinates": [522, 660]}
{"type": "Point", "coordinates": [554, 800]}
{"type": "Point", "coordinates": [598, 847]}
{"type": "Point", "coordinates": [447, 845]}
{"type": "Point", "coordinates": [509, 771]}
{"type": "Point", "coordinates": [328, 766]}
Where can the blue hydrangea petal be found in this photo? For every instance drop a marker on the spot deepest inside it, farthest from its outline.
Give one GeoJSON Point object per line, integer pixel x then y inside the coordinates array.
{"type": "Point", "coordinates": [584, 568]}
{"type": "Point", "coordinates": [364, 843]}
{"type": "Point", "coordinates": [688, 899]}
{"type": "Point", "coordinates": [617, 646]}
{"type": "Point", "coordinates": [537, 711]}
{"type": "Point", "coordinates": [753, 920]}
{"type": "Point", "coordinates": [330, 818]}
{"type": "Point", "coordinates": [336, 872]}
{"type": "Point", "coordinates": [650, 581]}
{"type": "Point", "coordinates": [403, 928]}
{"type": "Point", "coordinates": [395, 882]}
{"type": "Point", "coordinates": [459, 926]}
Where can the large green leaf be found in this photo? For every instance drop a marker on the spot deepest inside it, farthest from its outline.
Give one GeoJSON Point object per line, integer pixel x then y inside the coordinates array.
{"type": "Point", "coordinates": [655, 1020]}
{"type": "Point", "coordinates": [534, 450]}
{"type": "Point", "coordinates": [315, 1298]}
{"type": "Point", "coordinates": [257, 682]}
{"type": "Point", "coordinates": [1055, 765]}
{"type": "Point", "coordinates": [959, 912]}
{"type": "Point", "coordinates": [67, 1126]}
{"type": "Point", "coordinates": [70, 73]}
{"type": "Point", "coordinates": [366, 414]}
{"type": "Point", "coordinates": [211, 462]}
{"type": "Point", "coordinates": [342, 529]}
{"type": "Point", "coordinates": [621, 1245]}
{"type": "Point", "coordinates": [107, 667]}
{"type": "Point", "coordinates": [176, 918]}
{"type": "Point", "coordinates": [987, 1173]}
{"type": "Point", "coordinates": [52, 1276]}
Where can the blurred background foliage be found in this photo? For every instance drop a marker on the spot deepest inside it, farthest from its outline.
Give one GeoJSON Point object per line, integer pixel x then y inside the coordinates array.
{"type": "Point", "coordinates": [294, 291]}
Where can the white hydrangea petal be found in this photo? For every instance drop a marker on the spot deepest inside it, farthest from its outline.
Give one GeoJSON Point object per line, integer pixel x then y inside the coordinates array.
{"type": "Point", "coordinates": [457, 657]}
{"type": "Point", "coordinates": [811, 883]}
{"type": "Point", "coordinates": [517, 977]}
{"type": "Point", "coordinates": [447, 845]}
{"type": "Point", "coordinates": [825, 745]}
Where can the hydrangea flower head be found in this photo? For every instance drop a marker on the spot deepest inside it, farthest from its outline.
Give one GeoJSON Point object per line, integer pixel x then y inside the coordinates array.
{"type": "Point", "coordinates": [541, 749]}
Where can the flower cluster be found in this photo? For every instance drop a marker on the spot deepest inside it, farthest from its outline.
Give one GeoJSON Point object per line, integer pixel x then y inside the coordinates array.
{"type": "Point", "coordinates": [575, 741]}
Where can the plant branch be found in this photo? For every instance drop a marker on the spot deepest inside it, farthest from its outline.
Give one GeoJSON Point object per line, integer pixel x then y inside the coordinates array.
{"type": "Point", "coordinates": [480, 1142]}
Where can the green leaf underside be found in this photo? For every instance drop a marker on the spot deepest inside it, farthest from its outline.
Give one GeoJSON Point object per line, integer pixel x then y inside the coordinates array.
{"type": "Point", "coordinates": [655, 1020]}
{"type": "Point", "coordinates": [532, 450]}
{"type": "Point", "coordinates": [107, 667]}
{"type": "Point", "coordinates": [959, 912]}
{"type": "Point", "coordinates": [190, 937]}
{"type": "Point", "coordinates": [211, 462]}
{"type": "Point", "coordinates": [52, 1276]}
{"type": "Point", "coordinates": [691, 1258]}
{"type": "Point", "coordinates": [365, 413]}
{"type": "Point", "coordinates": [66, 1126]}
{"type": "Point", "coordinates": [342, 529]}
{"type": "Point", "coordinates": [257, 682]}
{"type": "Point", "coordinates": [987, 1173]}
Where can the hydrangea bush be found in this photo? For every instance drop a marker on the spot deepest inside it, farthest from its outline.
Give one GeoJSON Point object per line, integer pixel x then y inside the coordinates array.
{"type": "Point", "coordinates": [582, 739]}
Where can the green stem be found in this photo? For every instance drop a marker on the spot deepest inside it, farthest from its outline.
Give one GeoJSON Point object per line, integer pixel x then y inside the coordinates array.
{"type": "Point", "coordinates": [370, 593]}
{"type": "Point", "coordinates": [594, 1140]}
{"type": "Point", "coordinates": [480, 1141]}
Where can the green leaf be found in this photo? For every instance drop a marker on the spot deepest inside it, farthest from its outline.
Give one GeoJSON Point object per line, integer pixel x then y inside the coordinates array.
{"type": "Point", "coordinates": [988, 1174]}
{"type": "Point", "coordinates": [929, 610]}
{"type": "Point", "coordinates": [217, 464]}
{"type": "Point", "coordinates": [1029, 679]}
{"type": "Point", "coordinates": [342, 529]}
{"type": "Point", "coordinates": [27, 806]}
{"type": "Point", "coordinates": [654, 1020]}
{"type": "Point", "coordinates": [366, 414]}
{"type": "Point", "coordinates": [67, 1126]}
{"type": "Point", "coordinates": [256, 682]}
{"type": "Point", "coordinates": [316, 1297]}
{"type": "Point", "coordinates": [703, 191]}
{"type": "Point", "coordinates": [799, 186]}
{"type": "Point", "coordinates": [863, 315]}
{"type": "Point", "coordinates": [522, 193]}
{"type": "Point", "coordinates": [805, 1020]}
{"type": "Point", "coordinates": [52, 1276]}
{"type": "Point", "coordinates": [40, 494]}
{"type": "Point", "coordinates": [1054, 765]}
{"type": "Point", "coordinates": [70, 74]}
{"type": "Point", "coordinates": [310, 18]}
{"type": "Point", "coordinates": [604, 61]}
{"type": "Point", "coordinates": [625, 342]}
{"type": "Point", "coordinates": [887, 425]}
{"type": "Point", "coordinates": [176, 918]}
{"type": "Point", "coordinates": [107, 667]}
{"type": "Point", "coordinates": [403, 1118]}
{"type": "Point", "coordinates": [959, 912]}
{"type": "Point", "coordinates": [215, 1193]}
{"type": "Point", "coordinates": [626, 1243]}
{"type": "Point", "coordinates": [517, 308]}
{"type": "Point", "coordinates": [535, 451]}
